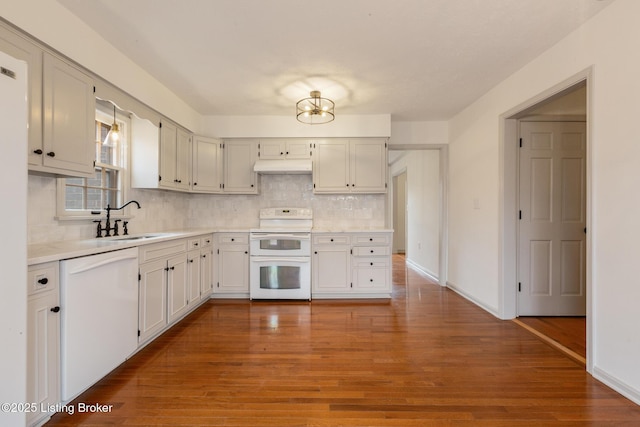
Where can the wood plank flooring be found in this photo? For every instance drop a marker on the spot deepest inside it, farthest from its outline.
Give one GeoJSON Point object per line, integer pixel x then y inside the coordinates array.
{"type": "Point", "coordinates": [426, 357]}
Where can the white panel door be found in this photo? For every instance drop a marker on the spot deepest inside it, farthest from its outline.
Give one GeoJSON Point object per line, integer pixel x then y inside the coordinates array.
{"type": "Point", "coordinates": [551, 254]}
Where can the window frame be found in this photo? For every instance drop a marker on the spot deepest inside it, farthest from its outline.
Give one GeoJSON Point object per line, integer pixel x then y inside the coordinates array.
{"type": "Point", "coordinates": [104, 114]}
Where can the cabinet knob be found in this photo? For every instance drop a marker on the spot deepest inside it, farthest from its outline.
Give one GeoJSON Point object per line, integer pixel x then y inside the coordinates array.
{"type": "Point", "coordinates": [43, 281]}
{"type": "Point", "coordinates": [38, 151]}
{"type": "Point", "coordinates": [332, 240]}
{"type": "Point", "coordinates": [371, 250]}
{"type": "Point", "coordinates": [51, 154]}
{"type": "Point", "coordinates": [55, 309]}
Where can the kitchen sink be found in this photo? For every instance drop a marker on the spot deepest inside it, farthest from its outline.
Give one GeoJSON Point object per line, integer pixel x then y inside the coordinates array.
{"type": "Point", "coordinates": [140, 236]}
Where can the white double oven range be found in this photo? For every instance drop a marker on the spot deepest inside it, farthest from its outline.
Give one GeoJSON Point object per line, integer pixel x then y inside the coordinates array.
{"type": "Point", "coordinates": [280, 253]}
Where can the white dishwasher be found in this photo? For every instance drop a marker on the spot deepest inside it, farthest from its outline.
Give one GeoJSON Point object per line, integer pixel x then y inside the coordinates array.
{"type": "Point", "coordinates": [99, 317]}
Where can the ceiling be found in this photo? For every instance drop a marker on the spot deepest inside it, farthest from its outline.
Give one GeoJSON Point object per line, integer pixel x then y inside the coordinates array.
{"type": "Point", "coordinates": [412, 59]}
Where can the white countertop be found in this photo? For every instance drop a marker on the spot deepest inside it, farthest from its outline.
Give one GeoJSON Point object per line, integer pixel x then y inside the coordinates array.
{"type": "Point", "coordinates": [55, 251]}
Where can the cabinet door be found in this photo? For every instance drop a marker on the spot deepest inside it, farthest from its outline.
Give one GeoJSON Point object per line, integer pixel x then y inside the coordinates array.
{"type": "Point", "coordinates": [152, 309]}
{"type": "Point", "coordinates": [24, 50]}
{"type": "Point", "coordinates": [207, 165]}
{"type": "Point", "coordinates": [297, 149]}
{"type": "Point", "coordinates": [177, 285]}
{"type": "Point", "coordinates": [331, 270]}
{"type": "Point", "coordinates": [239, 158]}
{"type": "Point", "coordinates": [233, 269]}
{"type": "Point", "coordinates": [368, 168]}
{"type": "Point", "coordinates": [370, 274]}
{"type": "Point", "coordinates": [43, 360]}
{"type": "Point", "coordinates": [331, 166]}
{"type": "Point", "coordinates": [183, 160]}
{"type": "Point", "coordinates": [272, 149]}
{"type": "Point", "coordinates": [69, 118]}
{"type": "Point", "coordinates": [168, 153]}
{"type": "Point", "coordinates": [206, 273]}
{"type": "Point", "coordinates": [193, 276]}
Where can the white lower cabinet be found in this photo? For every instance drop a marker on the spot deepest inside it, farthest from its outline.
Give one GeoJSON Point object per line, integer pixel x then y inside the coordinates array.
{"type": "Point", "coordinates": [43, 340]}
{"type": "Point", "coordinates": [206, 267]}
{"type": "Point", "coordinates": [175, 277]}
{"type": "Point", "coordinates": [330, 265]}
{"type": "Point", "coordinates": [231, 265]}
{"type": "Point", "coordinates": [351, 265]}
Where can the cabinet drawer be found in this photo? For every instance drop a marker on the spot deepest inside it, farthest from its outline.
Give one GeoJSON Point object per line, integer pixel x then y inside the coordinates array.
{"type": "Point", "coordinates": [371, 251]}
{"type": "Point", "coordinates": [161, 250]}
{"type": "Point", "coordinates": [331, 239]}
{"type": "Point", "coordinates": [233, 239]}
{"type": "Point", "coordinates": [193, 243]}
{"type": "Point", "coordinates": [206, 241]}
{"type": "Point", "coordinates": [371, 239]}
{"type": "Point", "coordinates": [367, 278]}
{"type": "Point", "coordinates": [368, 262]}
{"type": "Point", "coordinates": [42, 278]}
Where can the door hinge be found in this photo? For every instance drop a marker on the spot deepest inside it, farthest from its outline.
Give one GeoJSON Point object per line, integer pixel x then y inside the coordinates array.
{"type": "Point", "coordinates": [520, 142]}
{"type": "Point", "coordinates": [94, 89]}
{"type": "Point", "coordinates": [139, 277]}
{"type": "Point", "coordinates": [519, 287]}
{"type": "Point", "coordinates": [138, 332]}
{"type": "Point", "coordinates": [585, 230]}
{"type": "Point", "coordinates": [520, 214]}
{"type": "Point", "coordinates": [160, 125]}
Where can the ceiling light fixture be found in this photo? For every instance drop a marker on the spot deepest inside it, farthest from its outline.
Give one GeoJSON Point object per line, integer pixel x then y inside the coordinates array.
{"type": "Point", "coordinates": [114, 133]}
{"type": "Point", "coordinates": [315, 110]}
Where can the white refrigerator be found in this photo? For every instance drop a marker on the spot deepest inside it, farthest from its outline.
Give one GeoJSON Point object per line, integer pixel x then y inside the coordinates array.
{"type": "Point", "coordinates": [13, 250]}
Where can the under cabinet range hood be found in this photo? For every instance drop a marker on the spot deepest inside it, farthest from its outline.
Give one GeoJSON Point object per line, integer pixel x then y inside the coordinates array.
{"type": "Point", "coordinates": [283, 166]}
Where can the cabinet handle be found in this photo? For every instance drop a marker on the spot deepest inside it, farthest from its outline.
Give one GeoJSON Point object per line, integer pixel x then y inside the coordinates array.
{"type": "Point", "coordinates": [371, 239]}
{"type": "Point", "coordinates": [190, 260]}
{"type": "Point", "coordinates": [172, 268]}
{"type": "Point", "coordinates": [246, 252]}
{"type": "Point", "coordinates": [371, 280]}
{"type": "Point", "coordinates": [204, 255]}
{"type": "Point", "coordinates": [195, 244]}
{"type": "Point", "coordinates": [281, 153]}
{"type": "Point", "coordinates": [38, 151]}
{"type": "Point", "coordinates": [371, 263]}
{"type": "Point", "coordinates": [43, 281]}
{"type": "Point", "coordinates": [51, 154]}
{"type": "Point", "coordinates": [195, 183]}
{"type": "Point", "coordinates": [371, 250]}
{"type": "Point", "coordinates": [332, 240]}
{"type": "Point", "coordinates": [316, 252]}
{"type": "Point", "coordinates": [233, 240]}
{"type": "Point", "coordinates": [55, 309]}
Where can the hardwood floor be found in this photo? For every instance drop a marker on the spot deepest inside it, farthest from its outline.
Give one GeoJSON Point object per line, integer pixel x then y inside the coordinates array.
{"type": "Point", "coordinates": [427, 357]}
{"type": "Point", "coordinates": [569, 334]}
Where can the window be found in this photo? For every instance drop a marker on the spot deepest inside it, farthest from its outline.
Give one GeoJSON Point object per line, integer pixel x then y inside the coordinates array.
{"type": "Point", "coordinates": [78, 197]}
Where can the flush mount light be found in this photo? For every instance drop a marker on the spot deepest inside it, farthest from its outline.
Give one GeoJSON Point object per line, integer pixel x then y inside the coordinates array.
{"type": "Point", "coordinates": [114, 133]}
{"type": "Point", "coordinates": [315, 110]}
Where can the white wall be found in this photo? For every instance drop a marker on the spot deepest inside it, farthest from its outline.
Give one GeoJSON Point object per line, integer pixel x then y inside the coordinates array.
{"type": "Point", "coordinates": [374, 125]}
{"type": "Point", "coordinates": [474, 166]}
{"type": "Point", "coordinates": [423, 207]}
{"type": "Point", "coordinates": [431, 133]}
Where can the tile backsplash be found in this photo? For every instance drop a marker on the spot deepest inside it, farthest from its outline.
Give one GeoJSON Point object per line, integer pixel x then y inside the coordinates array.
{"type": "Point", "coordinates": [167, 210]}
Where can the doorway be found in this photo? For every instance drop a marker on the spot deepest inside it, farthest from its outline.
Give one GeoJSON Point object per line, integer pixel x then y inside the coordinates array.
{"type": "Point", "coordinates": [417, 206]}
{"type": "Point", "coordinates": [566, 102]}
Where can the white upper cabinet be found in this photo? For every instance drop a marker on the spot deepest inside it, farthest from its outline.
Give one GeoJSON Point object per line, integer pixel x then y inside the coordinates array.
{"type": "Point", "coordinates": [350, 165]}
{"type": "Point", "coordinates": [284, 149]}
{"type": "Point", "coordinates": [175, 157]}
{"type": "Point", "coordinates": [160, 155]}
{"type": "Point", "coordinates": [69, 107]}
{"type": "Point", "coordinates": [207, 165]}
{"type": "Point", "coordinates": [239, 158]}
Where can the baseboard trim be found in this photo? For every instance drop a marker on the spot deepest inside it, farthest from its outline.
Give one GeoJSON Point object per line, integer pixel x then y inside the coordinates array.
{"type": "Point", "coordinates": [419, 269]}
{"type": "Point", "coordinates": [471, 298]}
{"type": "Point", "coordinates": [617, 385]}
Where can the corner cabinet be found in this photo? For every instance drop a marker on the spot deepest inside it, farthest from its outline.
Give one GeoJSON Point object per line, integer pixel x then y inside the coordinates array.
{"type": "Point", "coordinates": [350, 165]}
{"type": "Point", "coordinates": [206, 165]}
{"type": "Point", "coordinates": [239, 157]}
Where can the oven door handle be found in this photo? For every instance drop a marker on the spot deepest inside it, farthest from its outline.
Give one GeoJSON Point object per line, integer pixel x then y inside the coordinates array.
{"type": "Point", "coordinates": [279, 236]}
{"type": "Point", "coordinates": [298, 259]}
